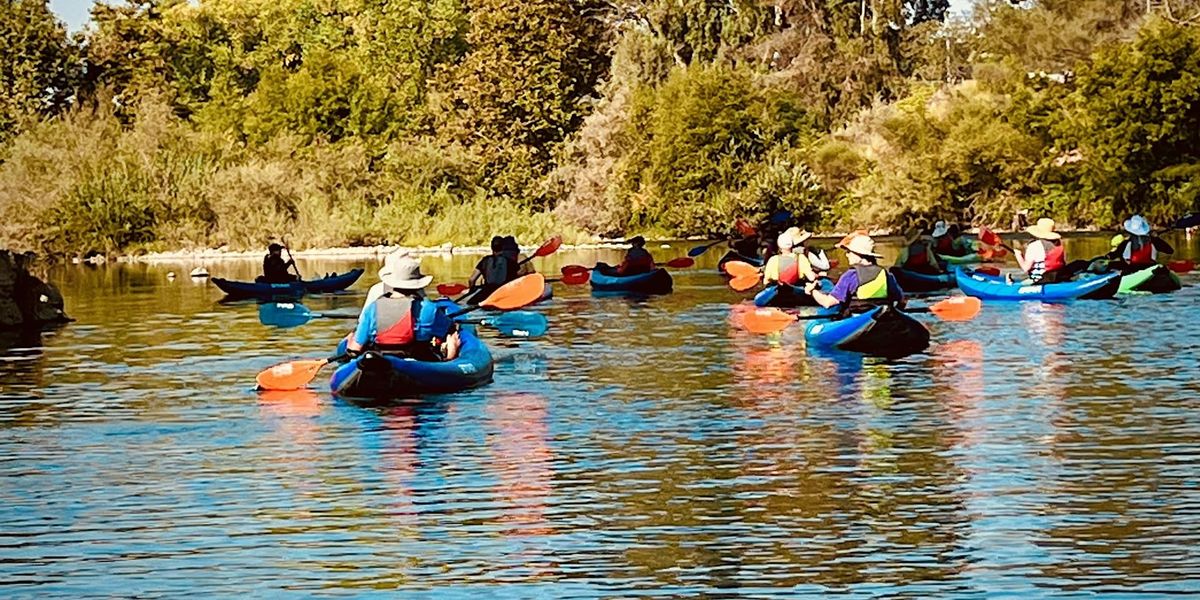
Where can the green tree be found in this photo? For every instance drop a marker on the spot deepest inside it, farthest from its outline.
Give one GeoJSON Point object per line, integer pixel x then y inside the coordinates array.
{"type": "Point", "coordinates": [39, 65]}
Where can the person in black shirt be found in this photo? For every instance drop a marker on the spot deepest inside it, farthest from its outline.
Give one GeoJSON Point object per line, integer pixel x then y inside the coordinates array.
{"type": "Point", "coordinates": [275, 269]}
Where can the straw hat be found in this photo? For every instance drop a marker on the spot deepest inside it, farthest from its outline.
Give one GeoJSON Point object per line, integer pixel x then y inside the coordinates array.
{"type": "Point", "coordinates": [1137, 225]}
{"type": "Point", "coordinates": [1043, 230]}
{"type": "Point", "coordinates": [940, 228]}
{"type": "Point", "coordinates": [793, 237]}
{"type": "Point", "coordinates": [862, 245]}
{"type": "Point", "coordinates": [403, 272]}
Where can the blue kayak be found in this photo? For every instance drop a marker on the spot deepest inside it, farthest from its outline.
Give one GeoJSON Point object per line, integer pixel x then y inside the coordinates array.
{"type": "Point", "coordinates": [379, 376]}
{"type": "Point", "coordinates": [782, 295]}
{"type": "Point", "coordinates": [881, 331]}
{"type": "Point", "coordinates": [657, 281]}
{"type": "Point", "coordinates": [991, 287]}
{"type": "Point", "coordinates": [917, 282]}
{"type": "Point", "coordinates": [292, 289]}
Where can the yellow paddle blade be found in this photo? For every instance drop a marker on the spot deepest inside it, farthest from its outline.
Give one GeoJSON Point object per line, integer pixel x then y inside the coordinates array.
{"type": "Point", "coordinates": [766, 320]}
{"type": "Point", "coordinates": [517, 293]}
{"type": "Point", "coordinates": [290, 375]}
{"type": "Point", "coordinates": [957, 308]}
{"type": "Point", "coordinates": [737, 268]}
{"type": "Point", "coordinates": [742, 284]}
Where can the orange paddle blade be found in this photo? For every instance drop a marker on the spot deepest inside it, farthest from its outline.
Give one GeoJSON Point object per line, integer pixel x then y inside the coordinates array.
{"type": "Point", "coordinates": [451, 289]}
{"type": "Point", "coordinates": [986, 254]}
{"type": "Point", "coordinates": [737, 268]}
{"type": "Point", "coordinates": [517, 293]}
{"type": "Point", "coordinates": [744, 283]}
{"type": "Point", "coordinates": [682, 262]}
{"type": "Point", "coordinates": [550, 247]}
{"type": "Point", "coordinates": [574, 269]}
{"type": "Point", "coordinates": [290, 375]}
{"type": "Point", "coordinates": [1181, 266]}
{"type": "Point", "coordinates": [576, 277]}
{"type": "Point", "coordinates": [957, 308]}
{"type": "Point", "coordinates": [744, 228]}
{"type": "Point", "coordinates": [989, 237]}
{"type": "Point", "coordinates": [766, 320]}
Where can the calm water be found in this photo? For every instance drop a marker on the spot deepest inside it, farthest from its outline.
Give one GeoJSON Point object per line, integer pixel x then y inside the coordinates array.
{"type": "Point", "coordinates": [642, 448]}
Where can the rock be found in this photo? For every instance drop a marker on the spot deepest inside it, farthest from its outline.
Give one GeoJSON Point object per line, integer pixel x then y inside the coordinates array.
{"type": "Point", "coordinates": [25, 300]}
{"type": "Point", "coordinates": [199, 272]}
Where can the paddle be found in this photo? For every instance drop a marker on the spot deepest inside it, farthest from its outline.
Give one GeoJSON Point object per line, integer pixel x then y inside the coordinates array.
{"type": "Point", "coordinates": [698, 250]}
{"type": "Point", "coordinates": [521, 323]}
{"type": "Point", "coordinates": [990, 238]}
{"type": "Point", "coordinates": [1181, 266]}
{"type": "Point", "coordinates": [546, 249]}
{"type": "Point", "coordinates": [774, 320]}
{"type": "Point", "coordinates": [296, 374]}
{"type": "Point", "coordinates": [290, 314]}
{"type": "Point", "coordinates": [292, 260]}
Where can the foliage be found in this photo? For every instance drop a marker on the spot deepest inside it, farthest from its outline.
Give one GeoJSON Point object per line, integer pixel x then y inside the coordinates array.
{"type": "Point", "coordinates": [39, 66]}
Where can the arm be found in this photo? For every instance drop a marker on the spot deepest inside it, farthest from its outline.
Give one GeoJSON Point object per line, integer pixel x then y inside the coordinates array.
{"type": "Point", "coordinates": [771, 270]}
{"type": "Point", "coordinates": [451, 347]}
{"type": "Point", "coordinates": [475, 277]}
{"type": "Point", "coordinates": [365, 330]}
{"type": "Point", "coordinates": [1161, 245]}
{"type": "Point", "coordinates": [838, 295]}
{"type": "Point", "coordinates": [805, 267]}
{"type": "Point", "coordinates": [895, 292]}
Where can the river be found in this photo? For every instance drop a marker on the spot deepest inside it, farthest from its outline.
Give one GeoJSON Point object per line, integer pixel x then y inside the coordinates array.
{"type": "Point", "coordinates": [640, 448]}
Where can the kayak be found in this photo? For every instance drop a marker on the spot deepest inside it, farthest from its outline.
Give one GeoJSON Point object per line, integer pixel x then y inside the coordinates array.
{"type": "Point", "coordinates": [1152, 280]}
{"type": "Point", "coordinates": [733, 255]}
{"type": "Point", "coordinates": [991, 287]}
{"type": "Point", "coordinates": [966, 259]}
{"type": "Point", "coordinates": [657, 281]}
{"type": "Point", "coordinates": [881, 331]}
{"type": "Point", "coordinates": [379, 376]}
{"type": "Point", "coordinates": [291, 289]}
{"type": "Point", "coordinates": [917, 282]}
{"type": "Point", "coordinates": [789, 296]}
{"type": "Point", "coordinates": [481, 294]}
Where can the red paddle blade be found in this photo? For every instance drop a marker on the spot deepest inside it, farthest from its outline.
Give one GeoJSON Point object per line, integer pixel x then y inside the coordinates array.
{"type": "Point", "coordinates": [451, 289]}
{"type": "Point", "coordinates": [550, 247]}
{"type": "Point", "coordinates": [289, 375]}
{"type": "Point", "coordinates": [993, 271]}
{"type": "Point", "coordinates": [567, 270]}
{"type": "Point", "coordinates": [682, 262]}
{"type": "Point", "coordinates": [576, 277]}
{"type": "Point", "coordinates": [744, 228]}
{"type": "Point", "coordinates": [766, 320]}
{"type": "Point", "coordinates": [737, 268]}
{"type": "Point", "coordinates": [986, 254]}
{"type": "Point", "coordinates": [989, 237]}
{"type": "Point", "coordinates": [1181, 266]}
{"type": "Point", "coordinates": [517, 293]}
{"type": "Point", "coordinates": [744, 283]}
{"type": "Point", "coordinates": [957, 308]}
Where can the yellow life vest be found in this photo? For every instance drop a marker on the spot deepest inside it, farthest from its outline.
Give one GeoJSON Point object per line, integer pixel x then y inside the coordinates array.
{"type": "Point", "coordinates": [872, 283]}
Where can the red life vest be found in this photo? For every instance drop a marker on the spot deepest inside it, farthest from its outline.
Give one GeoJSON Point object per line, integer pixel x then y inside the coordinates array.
{"type": "Point", "coordinates": [1056, 257]}
{"type": "Point", "coordinates": [395, 317]}
{"type": "Point", "coordinates": [789, 269]}
{"type": "Point", "coordinates": [918, 255]}
{"type": "Point", "coordinates": [1141, 251]}
{"type": "Point", "coordinates": [944, 245]}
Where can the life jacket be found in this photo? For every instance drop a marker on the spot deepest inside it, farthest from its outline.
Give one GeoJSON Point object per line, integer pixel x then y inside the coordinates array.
{"type": "Point", "coordinates": [1140, 251]}
{"type": "Point", "coordinates": [498, 269]}
{"type": "Point", "coordinates": [872, 283]}
{"type": "Point", "coordinates": [1056, 259]}
{"type": "Point", "coordinates": [789, 271]}
{"type": "Point", "coordinates": [395, 321]}
{"type": "Point", "coordinates": [918, 255]}
{"type": "Point", "coordinates": [637, 260]}
{"type": "Point", "coordinates": [944, 245]}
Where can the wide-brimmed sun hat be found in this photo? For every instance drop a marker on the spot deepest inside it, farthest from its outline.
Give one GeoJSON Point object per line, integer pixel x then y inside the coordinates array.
{"type": "Point", "coordinates": [1137, 225]}
{"type": "Point", "coordinates": [1043, 230]}
{"type": "Point", "coordinates": [792, 237]}
{"type": "Point", "coordinates": [861, 245]}
{"type": "Point", "coordinates": [403, 272]}
{"type": "Point", "coordinates": [940, 228]}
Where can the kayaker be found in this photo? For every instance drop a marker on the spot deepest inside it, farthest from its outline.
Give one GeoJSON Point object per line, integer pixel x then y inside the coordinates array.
{"type": "Point", "coordinates": [275, 269]}
{"type": "Point", "coordinates": [637, 259]}
{"type": "Point", "coordinates": [1044, 259]}
{"type": "Point", "coordinates": [495, 269]}
{"type": "Point", "coordinates": [513, 251]}
{"type": "Point", "coordinates": [1142, 248]}
{"type": "Point", "coordinates": [918, 253]}
{"type": "Point", "coordinates": [747, 246]}
{"type": "Point", "coordinates": [949, 241]}
{"type": "Point", "coordinates": [402, 321]}
{"type": "Point", "coordinates": [865, 284]}
{"type": "Point", "coordinates": [780, 263]}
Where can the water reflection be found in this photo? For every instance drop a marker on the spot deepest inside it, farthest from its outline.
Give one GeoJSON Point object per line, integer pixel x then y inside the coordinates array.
{"type": "Point", "coordinates": [640, 448]}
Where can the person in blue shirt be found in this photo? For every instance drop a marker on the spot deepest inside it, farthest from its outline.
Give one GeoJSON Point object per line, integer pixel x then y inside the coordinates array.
{"type": "Point", "coordinates": [865, 284]}
{"type": "Point", "coordinates": [403, 321]}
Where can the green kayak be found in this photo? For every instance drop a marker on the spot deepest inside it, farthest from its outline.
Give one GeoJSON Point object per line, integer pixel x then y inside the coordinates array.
{"type": "Point", "coordinates": [1151, 280]}
{"type": "Point", "coordinates": [966, 259]}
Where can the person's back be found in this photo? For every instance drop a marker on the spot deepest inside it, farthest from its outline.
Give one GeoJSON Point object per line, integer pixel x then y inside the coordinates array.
{"type": "Point", "coordinates": [402, 321]}
{"type": "Point", "coordinates": [495, 269]}
{"type": "Point", "coordinates": [1142, 247]}
{"type": "Point", "coordinates": [638, 260]}
{"type": "Point", "coordinates": [865, 284]}
{"type": "Point", "coordinates": [275, 269]}
{"type": "Point", "coordinates": [918, 256]}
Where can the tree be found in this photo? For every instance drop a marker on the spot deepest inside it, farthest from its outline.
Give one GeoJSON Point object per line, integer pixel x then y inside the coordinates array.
{"type": "Point", "coordinates": [39, 65]}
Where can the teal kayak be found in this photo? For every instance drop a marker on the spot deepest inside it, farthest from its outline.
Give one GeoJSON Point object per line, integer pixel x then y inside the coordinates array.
{"type": "Point", "coordinates": [782, 295]}
{"type": "Point", "coordinates": [657, 281]}
{"type": "Point", "coordinates": [990, 287]}
{"type": "Point", "coordinates": [882, 331]}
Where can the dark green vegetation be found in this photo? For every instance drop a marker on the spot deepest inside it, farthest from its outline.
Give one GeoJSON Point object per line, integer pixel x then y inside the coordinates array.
{"type": "Point", "coordinates": [425, 121]}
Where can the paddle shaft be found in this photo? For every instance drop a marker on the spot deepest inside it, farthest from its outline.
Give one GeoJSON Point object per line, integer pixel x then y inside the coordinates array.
{"type": "Point", "coordinates": [919, 309]}
{"type": "Point", "coordinates": [291, 260]}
